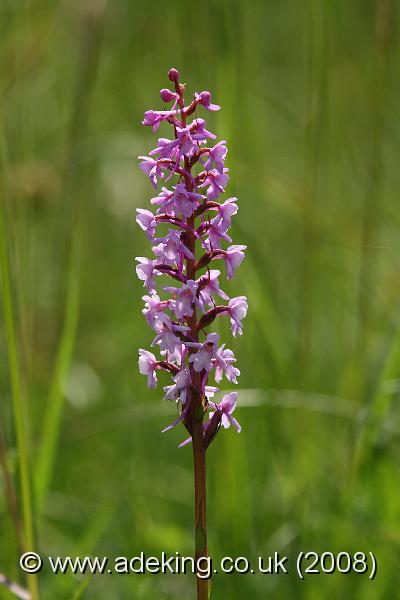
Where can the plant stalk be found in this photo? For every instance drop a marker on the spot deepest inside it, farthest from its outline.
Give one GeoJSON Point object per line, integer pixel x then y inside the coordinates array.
{"type": "Point", "coordinates": [197, 409]}
{"type": "Point", "coordinates": [200, 503]}
{"type": "Point", "coordinates": [199, 451]}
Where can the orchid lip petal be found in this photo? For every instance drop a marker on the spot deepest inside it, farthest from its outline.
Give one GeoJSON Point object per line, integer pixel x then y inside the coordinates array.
{"type": "Point", "coordinates": [234, 423]}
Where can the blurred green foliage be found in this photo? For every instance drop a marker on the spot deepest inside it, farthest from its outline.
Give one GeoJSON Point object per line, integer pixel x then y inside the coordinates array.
{"type": "Point", "coordinates": [310, 95]}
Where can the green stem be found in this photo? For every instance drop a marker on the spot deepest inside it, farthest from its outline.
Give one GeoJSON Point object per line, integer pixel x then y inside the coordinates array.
{"type": "Point", "coordinates": [16, 387]}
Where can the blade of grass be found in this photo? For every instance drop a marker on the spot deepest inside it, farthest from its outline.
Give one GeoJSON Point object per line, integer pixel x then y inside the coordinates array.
{"type": "Point", "coordinates": [316, 132]}
{"type": "Point", "coordinates": [87, 545]}
{"type": "Point", "coordinates": [9, 489]}
{"type": "Point", "coordinates": [14, 589]}
{"type": "Point", "coordinates": [371, 217]}
{"type": "Point", "coordinates": [52, 422]}
{"type": "Point", "coordinates": [375, 405]}
{"type": "Point", "coordinates": [15, 374]}
{"type": "Point", "coordinates": [82, 588]}
{"type": "Point", "coordinates": [379, 406]}
{"type": "Point", "coordinates": [86, 75]}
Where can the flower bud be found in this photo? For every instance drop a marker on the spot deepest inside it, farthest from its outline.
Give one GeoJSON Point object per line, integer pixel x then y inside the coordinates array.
{"type": "Point", "coordinates": [173, 75]}
{"type": "Point", "coordinates": [167, 95]}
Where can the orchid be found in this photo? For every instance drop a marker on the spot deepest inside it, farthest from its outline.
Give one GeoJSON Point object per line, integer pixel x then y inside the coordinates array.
{"type": "Point", "coordinates": [194, 179]}
{"type": "Point", "coordinates": [145, 270]}
{"type": "Point", "coordinates": [147, 366]}
{"type": "Point", "coordinates": [202, 359]}
{"type": "Point", "coordinates": [237, 308]}
{"type": "Point", "coordinates": [145, 219]}
{"type": "Point", "coordinates": [223, 363]}
{"type": "Point", "coordinates": [225, 409]}
{"type": "Point", "coordinates": [233, 258]}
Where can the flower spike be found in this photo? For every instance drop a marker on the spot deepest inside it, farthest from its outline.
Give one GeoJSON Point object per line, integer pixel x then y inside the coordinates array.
{"type": "Point", "coordinates": [189, 202]}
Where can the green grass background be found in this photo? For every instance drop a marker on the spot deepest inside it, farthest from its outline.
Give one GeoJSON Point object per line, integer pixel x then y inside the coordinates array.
{"type": "Point", "coordinates": [310, 94]}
